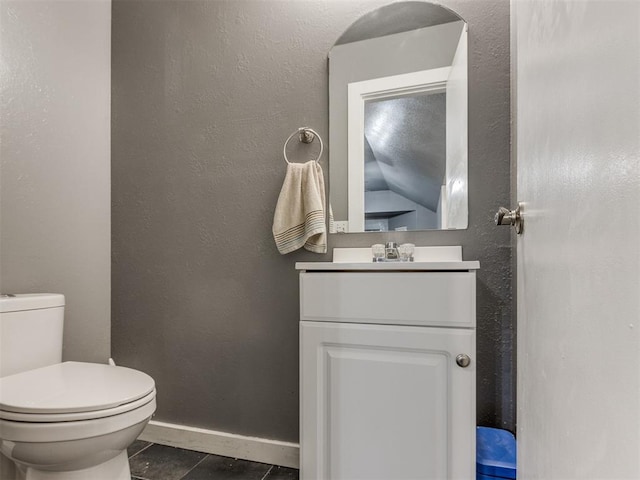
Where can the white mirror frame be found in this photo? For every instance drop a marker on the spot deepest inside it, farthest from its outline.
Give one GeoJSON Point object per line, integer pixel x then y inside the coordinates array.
{"type": "Point", "coordinates": [434, 81]}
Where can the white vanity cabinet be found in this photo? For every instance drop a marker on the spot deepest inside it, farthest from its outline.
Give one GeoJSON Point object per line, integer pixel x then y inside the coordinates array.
{"type": "Point", "coordinates": [382, 393]}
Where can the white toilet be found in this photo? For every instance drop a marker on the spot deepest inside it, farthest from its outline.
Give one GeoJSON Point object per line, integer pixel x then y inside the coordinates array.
{"type": "Point", "coordinates": [63, 421]}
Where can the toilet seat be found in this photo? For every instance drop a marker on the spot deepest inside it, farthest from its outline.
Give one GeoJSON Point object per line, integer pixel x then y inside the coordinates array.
{"type": "Point", "coordinates": [72, 391]}
{"type": "Point", "coordinates": [73, 417]}
{"type": "Point", "coordinates": [73, 401]}
{"type": "Point", "coordinates": [42, 432]}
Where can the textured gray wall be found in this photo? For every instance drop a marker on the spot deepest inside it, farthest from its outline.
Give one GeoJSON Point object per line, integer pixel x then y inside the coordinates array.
{"type": "Point", "coordinates": [55, 177]}
{"type": "Point", "coordinates": [204, 95]}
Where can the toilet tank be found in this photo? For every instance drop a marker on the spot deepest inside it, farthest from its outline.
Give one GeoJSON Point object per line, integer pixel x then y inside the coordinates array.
{"type": "Point", "coordinates": [30, 331]}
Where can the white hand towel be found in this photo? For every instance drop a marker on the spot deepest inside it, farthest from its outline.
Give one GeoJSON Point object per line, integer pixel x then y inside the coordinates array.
{"type": "Point", "coordinates": [299, 219]}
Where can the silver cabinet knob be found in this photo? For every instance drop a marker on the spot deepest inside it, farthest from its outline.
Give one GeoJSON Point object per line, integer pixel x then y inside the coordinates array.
{"type": "Point", "coordinates": [505, 216]}
{"type": "Point", "coordinates": [463, 360]}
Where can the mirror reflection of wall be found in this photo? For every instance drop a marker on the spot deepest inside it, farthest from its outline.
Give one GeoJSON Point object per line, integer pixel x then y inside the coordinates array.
{"type": "Point", "coordinates": [404, 167]}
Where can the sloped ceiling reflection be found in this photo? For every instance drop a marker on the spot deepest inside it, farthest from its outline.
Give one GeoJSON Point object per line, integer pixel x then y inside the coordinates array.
{"type": "Point", "coordinates": [405, 147]}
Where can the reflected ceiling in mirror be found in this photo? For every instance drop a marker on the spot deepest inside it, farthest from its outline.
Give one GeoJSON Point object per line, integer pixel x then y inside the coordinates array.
{"type": "Point", "coordinates": [398, 121]}
{"type": "Point", "coordinates": [401, 156]}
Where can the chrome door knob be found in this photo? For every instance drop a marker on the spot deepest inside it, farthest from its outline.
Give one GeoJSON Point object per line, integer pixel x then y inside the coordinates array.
{"type": "Point", "coordinates": [463, 360]}
{"type": "Point", "coordinates": [505, 216]}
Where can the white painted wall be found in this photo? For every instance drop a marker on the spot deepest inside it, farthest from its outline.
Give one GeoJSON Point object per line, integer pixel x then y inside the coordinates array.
{"type": "Point", "coordinates": [457, 133]}
{"type": "Point", "coordinates": [55, 150]}
{"type": "Point", "coordinates": [578, 169]}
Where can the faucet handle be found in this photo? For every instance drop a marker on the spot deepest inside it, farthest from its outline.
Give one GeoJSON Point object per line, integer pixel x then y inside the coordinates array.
{"type": "Point", "coordinates": [378, 252]}
{"type": "Point", "coordinates": [405, 252]}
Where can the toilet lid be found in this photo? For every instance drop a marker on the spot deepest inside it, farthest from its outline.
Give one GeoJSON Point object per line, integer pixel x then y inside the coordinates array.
{"type": "Point", "coordinates": [72, 387]}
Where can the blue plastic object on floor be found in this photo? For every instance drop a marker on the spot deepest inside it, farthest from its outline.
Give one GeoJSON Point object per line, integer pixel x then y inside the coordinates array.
{"type": "Point", "coordinates": [495, 454]}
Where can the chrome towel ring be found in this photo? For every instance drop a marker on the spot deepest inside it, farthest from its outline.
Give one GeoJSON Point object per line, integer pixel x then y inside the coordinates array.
{"type": "Point", "coordinates": [305, 135]}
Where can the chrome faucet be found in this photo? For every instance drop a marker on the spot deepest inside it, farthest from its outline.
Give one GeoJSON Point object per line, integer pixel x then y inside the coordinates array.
{"type": "Point", "coordinates": [391, 251]}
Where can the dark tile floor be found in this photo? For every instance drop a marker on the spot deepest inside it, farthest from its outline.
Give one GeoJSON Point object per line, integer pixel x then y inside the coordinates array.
{"type": "Point", "coordinates": [152, 461]}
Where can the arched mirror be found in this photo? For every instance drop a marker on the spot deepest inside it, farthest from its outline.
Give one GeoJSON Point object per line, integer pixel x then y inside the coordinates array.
{"type": "Point", "coordinates": [398, 121]}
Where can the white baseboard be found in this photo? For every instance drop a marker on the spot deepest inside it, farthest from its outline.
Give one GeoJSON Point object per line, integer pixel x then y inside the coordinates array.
{"type": "Point", "coordinates": [226, 444]}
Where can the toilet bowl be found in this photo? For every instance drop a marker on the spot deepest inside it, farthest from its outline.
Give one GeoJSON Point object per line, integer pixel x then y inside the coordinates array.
{"type": "Point", "coordinates": [67, 420]}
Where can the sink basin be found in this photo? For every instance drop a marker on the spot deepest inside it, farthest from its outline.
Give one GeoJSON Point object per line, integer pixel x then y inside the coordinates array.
{"type": "Point", "coordinates": [420, 254]}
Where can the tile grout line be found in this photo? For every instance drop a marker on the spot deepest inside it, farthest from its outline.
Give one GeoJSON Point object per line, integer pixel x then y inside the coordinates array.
{"type": "Point", "coordinates": [189, 471]}
{"type": "Point", "coordinates": [138, 477]}
{"type": "Point", "coordinates": [140, 451]}
{"type": "Point", "coordinates": [129, 460]}
{"type": "Point", "coordinates": [268, 472]}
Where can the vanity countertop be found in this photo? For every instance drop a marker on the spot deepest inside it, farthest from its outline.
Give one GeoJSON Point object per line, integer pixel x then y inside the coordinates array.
{"type": "Point", "coordinates": [389, 266]}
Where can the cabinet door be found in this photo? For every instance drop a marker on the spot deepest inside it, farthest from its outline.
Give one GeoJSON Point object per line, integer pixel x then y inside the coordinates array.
{"type": "Point", "coordinates": [386, 402]}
